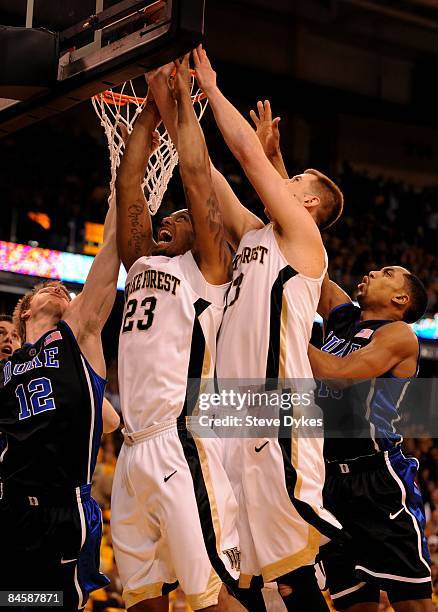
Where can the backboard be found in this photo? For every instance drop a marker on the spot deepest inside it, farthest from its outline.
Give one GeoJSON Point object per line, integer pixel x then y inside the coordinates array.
{"type": "Point", "coordinates": [102, 43]}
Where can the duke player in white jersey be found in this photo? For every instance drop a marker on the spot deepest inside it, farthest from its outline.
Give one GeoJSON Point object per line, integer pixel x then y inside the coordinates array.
{"type": "Point", "coordinates": [278, 270]}
{"type": "Point", "coordinates": [173, 509]}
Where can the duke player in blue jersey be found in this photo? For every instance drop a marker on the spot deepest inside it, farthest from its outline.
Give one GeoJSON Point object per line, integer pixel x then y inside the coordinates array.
{"type": "Point", "coordinates": [370, 484]}
{"type": "Point", "coordinates": [51, 394]}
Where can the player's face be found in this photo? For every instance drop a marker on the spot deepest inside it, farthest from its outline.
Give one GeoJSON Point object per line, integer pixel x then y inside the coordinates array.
{"type": "Point", "coordinates": [380, 287]}
{"type": "Point", "coordinates": [52, 300]}
{"type": "Point", "coordinates": [175, 234]}
{"type": "Point", "coordinates": [9, 339]}
{"type": "Point", "coordinates": [302, 190]}
{"type": "Point", "coordinates": [302, 187]}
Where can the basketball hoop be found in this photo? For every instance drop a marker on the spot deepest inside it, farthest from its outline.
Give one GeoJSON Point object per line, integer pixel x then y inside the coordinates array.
{"type": "Point", "coordinates": [117, 112]}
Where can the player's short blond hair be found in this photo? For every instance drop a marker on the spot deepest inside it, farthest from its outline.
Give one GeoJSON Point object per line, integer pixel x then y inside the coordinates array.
{"type": "Point", "coordinates": [331, 197]}
{"type": "Point", "coordinates": [23, 304]}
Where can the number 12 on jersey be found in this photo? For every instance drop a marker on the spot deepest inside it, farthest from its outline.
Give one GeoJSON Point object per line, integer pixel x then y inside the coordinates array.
{"type": "Point", "coordinates": [39, 398]}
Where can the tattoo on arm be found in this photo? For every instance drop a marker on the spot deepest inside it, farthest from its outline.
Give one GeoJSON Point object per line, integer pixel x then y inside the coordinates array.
{"type": "Point", "coordinates": [135, 214]}
{"type": "Point", "coordinates": [215, 225]}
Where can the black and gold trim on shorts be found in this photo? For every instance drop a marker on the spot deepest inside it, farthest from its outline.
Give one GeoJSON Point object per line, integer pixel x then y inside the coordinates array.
{"type": "Point", "coordinates": [305, 510]}
{"type": "Point", "coordinates": [194, 453]}
{"type": "Point", "coordinates": [275, 372]}
{"type": "Point", "coordinates": [150, 591]}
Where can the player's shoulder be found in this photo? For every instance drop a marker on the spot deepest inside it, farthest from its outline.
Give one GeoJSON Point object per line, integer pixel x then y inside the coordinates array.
{"type": "Point", "coordinates": [345, 312]}
{"type": "Point", "coordinates": [399, 334]}
{"type": "Point", "coordinates": [305, 254]}
{"type": "Point", "coordinates": [251, 223]}
{"type": "Point", "coordinates": [399, 328]}
{"type": "Point", "coordinates": [254, 230]}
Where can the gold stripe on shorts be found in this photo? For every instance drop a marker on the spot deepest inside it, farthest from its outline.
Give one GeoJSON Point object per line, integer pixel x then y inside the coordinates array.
{"type": "Point", "coordinates": [305, 556]}
{"type": "Point", "coordinates": [149, 591]}
{"type": "Point", "coordinates": [245, 580]}
{"type": "Point", "coordinates": [210, 490]}
{"type": "Point", "coordinates": [210, 596]}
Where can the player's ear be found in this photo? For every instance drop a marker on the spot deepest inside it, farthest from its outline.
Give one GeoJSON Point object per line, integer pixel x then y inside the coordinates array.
{"type": "Point", "coordinates": [25, 315]}
{"type": "Point", "coordinates": [400, 299]}
{"type": "Point", "coordinates": [311, 200]}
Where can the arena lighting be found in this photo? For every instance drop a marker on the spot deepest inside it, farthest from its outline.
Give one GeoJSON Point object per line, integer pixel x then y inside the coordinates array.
{"type": "Point", "coordinates": [47, 263]}
{"type": "Point", "coordinates": [427, 327]}
{"type": "Point", "coordinates": [41, 218]}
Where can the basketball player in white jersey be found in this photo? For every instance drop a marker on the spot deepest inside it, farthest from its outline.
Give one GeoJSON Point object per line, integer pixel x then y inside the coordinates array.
{"type": "Point", "coordinates": [278, 270]}
{"type": "Point", "coordinates": [173, 510]}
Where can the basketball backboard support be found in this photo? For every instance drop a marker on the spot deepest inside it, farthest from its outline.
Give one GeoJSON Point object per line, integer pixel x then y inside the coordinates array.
{"type": "Point", "coordinates": [119, 41]}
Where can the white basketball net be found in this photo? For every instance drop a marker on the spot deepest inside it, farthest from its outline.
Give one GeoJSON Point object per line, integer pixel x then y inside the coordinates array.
{"type": "Point", "coordinates": [118, 109]}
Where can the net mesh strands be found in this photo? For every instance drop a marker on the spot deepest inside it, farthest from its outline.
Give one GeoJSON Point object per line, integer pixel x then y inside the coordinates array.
{"type": "Point", "coordinates": [117, 111]}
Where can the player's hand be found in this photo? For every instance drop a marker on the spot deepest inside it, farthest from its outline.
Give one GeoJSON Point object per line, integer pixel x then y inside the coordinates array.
{"type": "Point", "coordinates": [267, 128]}
{"type": "Point", "coordinates": [161, 73]}
{"type": "Point", "coordinates": [205, 75]}
{"type": "Point", "coordinates": [179, 82]}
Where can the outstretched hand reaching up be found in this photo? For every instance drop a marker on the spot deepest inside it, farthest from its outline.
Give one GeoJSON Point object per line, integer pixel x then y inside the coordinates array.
{"type": "Point", "coordinates": [266, 128]}
{"type": "Point", "coordinates": [205, 75]}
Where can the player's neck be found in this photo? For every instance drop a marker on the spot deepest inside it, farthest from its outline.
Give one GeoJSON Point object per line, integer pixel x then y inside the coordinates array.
{"type": "Point", "coordinates": [39, 326]}
{"type": "Point", "coordinates": [376, 314]}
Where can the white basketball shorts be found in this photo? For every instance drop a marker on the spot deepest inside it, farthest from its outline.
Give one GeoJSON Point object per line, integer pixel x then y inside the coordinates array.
{"type": "Point", "coordinates": [282, 485]}
{"type": "Point", "coordinates": [173, 516]}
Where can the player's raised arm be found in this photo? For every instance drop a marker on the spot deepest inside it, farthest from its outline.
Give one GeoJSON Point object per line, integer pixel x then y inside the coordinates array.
{"type": "Point", "coordinates": [211, 250]}
{"type": "Point", "coordinates": [392, 345]}
{"type": "Point", "coordinates": [269, 135]}
{"type": "Point", "coordinates": [93, 305]}
{"type": "Point", "coordinates": [292, 218]}
{"type": "Point", "coordinates": [331, 296]}
{"type": "Point", "coordinates": [158, 81]}
{"type": "Point", "coordinates": [134, 227]}
{"type": "Point", "coordinates": [236, 218]}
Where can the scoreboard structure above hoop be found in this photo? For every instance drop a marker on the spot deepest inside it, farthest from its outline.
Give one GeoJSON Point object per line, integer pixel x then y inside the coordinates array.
{"type": "Point", "coordinates": [58, 55]}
